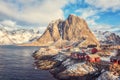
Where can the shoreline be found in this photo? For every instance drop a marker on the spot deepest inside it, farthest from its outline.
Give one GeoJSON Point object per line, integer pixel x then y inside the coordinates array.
{"type": "Point", "coordinates": [63, 67]}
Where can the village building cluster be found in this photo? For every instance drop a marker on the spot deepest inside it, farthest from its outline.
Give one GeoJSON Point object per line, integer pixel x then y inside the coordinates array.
{"type": "Point", "coordinates": [92, 54]}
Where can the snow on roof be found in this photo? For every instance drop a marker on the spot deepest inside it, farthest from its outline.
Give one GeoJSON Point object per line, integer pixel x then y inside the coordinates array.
{"type": "Point", "coordinates": [93, 55]}
{"type": "Point", "coordinates": [105, 59]}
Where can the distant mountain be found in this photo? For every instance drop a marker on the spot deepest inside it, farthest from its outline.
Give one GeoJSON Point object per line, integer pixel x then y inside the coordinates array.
{"type": "Point", "coordinates": [107, 37]}
{"type": "Point", "coordinates": [72, 29]}
{"type": "Point", "coordinates": [18, 36]}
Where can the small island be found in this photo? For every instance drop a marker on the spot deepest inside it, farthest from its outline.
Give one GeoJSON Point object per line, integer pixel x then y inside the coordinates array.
{"type": "Point", "coordinates": [72, 52]}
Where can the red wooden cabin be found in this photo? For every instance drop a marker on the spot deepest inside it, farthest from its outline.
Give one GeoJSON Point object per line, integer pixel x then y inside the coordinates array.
{"type": "Point", "coordinates": [78, 55]}
{"type": "Point", "coordinates": [94, 50]}
{"type": "Point", "coordinates": [74, 55]}
{"type": "Point", "coordinates": [85, 57]}
{"type": "Point", "coordinates": [115, 60]}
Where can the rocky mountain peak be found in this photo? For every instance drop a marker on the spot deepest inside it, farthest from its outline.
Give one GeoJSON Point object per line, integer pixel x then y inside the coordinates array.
{"type": "Point", "coordinates": [72, 18]}
{"type": "Point", "coordinates": [71, 29]}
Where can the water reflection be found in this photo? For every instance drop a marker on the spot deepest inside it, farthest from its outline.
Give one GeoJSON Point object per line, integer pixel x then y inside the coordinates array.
{"type": "Point", "coordinates": [16, 63]}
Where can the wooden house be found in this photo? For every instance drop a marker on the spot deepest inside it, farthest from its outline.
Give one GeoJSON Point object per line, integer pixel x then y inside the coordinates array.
{"type": "Point", "coordinates": [78, 55]}
{"type": "Point", "coordinates": [93, 58]}
{"type": "Point", "coordinates": [94, 50]}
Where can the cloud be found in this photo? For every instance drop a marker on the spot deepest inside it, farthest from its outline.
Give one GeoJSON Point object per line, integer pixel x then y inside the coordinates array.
{"type": "Point", "coordinates": [91, 15]}
{"type": "Point", "coordinates": [42, 12]}
{"type": "Point", "coordinates": [103, 27]}
{"type": "Point", "coordinates": [113, 5]}
{"type": "Point", "coordinates": [34, 11]}
{"type": "Point", "coordinates": [87, 12]}
{"type": "Point", "coordinates": [8, 23]}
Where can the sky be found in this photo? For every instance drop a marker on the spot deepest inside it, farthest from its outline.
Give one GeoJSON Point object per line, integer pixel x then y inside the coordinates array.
{"type": "Point", "coordinates": [101, 15]}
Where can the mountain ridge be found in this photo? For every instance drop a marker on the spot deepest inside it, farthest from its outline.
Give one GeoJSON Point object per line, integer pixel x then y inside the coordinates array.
{"type": "Point", "coordinates": [18, 36]}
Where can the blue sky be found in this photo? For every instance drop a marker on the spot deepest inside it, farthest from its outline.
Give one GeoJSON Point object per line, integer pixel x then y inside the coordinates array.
{"type": "Point", "coordinates": [99, 14]}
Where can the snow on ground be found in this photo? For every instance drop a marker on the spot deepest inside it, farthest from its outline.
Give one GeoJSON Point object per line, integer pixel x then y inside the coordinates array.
{"type": "Point", "coordinates": [68, 62]}
{"type": "Point", "coordinates": [105, 58]}
{"type": "Point", "coordinates": [60, 57]}
{"type": "Point", "coordinates": [108, 76]}
{"type": "Point", "coordinates": [113, 53]}
{"type": "Point", "coordinates": [81, 68]}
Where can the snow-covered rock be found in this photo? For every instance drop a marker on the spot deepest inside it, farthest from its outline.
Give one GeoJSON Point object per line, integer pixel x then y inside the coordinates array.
{"type": "Point", "coordinates": [68, 62]}
{"type": "Point", "coordinates": [60, 57]}
{"type": "Point", "coordinates": [108, 76]}
{"type": "Point", "coordinates": [45, 52]}
{"type": "Point", "coordinates": [80, 68]}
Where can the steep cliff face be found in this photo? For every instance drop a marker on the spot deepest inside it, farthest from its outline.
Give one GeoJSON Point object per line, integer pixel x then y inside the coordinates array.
{"type": "Point", "coordinates": [51, 34]}
{"type": "Point", "coordinates": [72, 29]}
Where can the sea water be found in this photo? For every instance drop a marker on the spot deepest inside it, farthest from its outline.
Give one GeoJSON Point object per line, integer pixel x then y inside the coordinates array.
{"type": "Point", "coordinates": [16, 63]}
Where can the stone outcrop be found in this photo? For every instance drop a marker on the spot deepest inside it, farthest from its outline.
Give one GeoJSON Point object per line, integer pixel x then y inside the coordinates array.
{"type": "Point", "coordinates": [72, 29]}
{"type": "Point", "coordinates": [45, 52]}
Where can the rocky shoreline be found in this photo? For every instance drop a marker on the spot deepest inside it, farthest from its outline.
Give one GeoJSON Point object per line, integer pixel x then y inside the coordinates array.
{"type": "Point", "coordinates": [64, 67]}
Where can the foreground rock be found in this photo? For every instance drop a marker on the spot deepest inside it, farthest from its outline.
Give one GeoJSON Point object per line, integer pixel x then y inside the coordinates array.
{"type": "Point", "coordinates": [45, 64]}
{"type": "Point", "coordinates": [64, 67]}
{"type": "Point", "coordinates": [44, 52]}
{"type": "Point", "coordinates": [77, 70]}
{"type": "Point", "coordinates": [44, 57]}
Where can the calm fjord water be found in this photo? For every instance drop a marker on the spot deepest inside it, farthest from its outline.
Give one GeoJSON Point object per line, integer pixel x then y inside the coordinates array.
{"type": "Point", "coordinates": [16, 63]}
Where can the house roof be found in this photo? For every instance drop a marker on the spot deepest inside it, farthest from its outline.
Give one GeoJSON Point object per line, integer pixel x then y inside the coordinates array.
{"type": "Point", "coordinates": [93, 55]}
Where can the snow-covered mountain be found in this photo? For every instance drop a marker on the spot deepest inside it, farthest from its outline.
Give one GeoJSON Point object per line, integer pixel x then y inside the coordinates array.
{"type": "Point", "coordinates": [107, 37]}
{"type": "Point", "coordinates": [17, 36]}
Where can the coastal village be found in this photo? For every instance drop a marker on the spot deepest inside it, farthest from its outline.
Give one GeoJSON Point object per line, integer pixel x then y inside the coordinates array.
{"type": "Point", "coordinates": [98, 61]}
{"type": "Point", "coordinates": [77, 57]}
